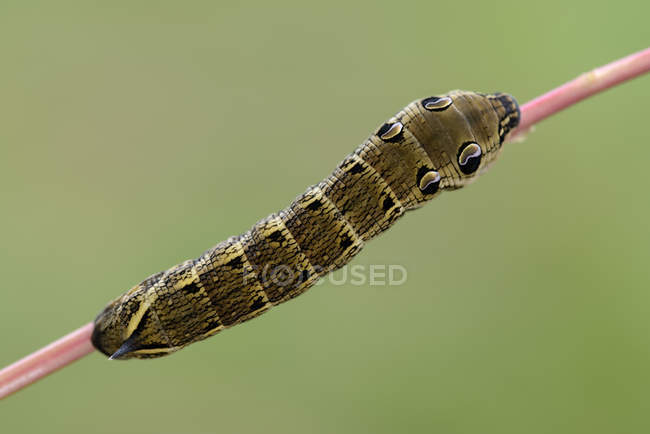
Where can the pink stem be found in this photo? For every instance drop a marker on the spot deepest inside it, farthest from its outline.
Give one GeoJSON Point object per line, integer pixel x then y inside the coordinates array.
{"type": "Point", "coordinates": [582, 87]}
{"type": "Point", "coordinates": [46, 360]}
{"type": "Point", "coordinates": [77, 344]}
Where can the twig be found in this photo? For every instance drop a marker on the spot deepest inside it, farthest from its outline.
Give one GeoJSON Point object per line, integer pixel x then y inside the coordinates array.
{"type": "Point", "coordinates": [584, 86]}
{"type": "Point", "coordinates": [37, 365]}
{"type": "Point", "coordinates": [77, 344]}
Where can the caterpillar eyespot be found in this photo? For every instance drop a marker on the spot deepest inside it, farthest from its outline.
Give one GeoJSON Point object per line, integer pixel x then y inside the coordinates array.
{"type": "Point", "coordinates": [428, 180]}
{"type": "Point", "coordinates": [469, 157]}
{"type": "Point", "coordinates": [390, 132]}
{"type": "Point", "coordinates": [435, 103]}
{"type": "Point", "coordinates": [409, 160]}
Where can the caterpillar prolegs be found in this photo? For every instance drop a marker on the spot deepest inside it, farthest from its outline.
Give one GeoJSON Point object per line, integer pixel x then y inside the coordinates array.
{"type": "Point", "coordinates": [433, 144]}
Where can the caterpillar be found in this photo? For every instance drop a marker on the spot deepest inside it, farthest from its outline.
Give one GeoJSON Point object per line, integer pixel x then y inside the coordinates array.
{"type": "Point", "coordinates": [433, 144]}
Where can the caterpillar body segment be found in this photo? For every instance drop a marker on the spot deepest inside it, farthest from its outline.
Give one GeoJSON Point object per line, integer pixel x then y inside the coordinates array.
{"type": "Point", "coordinates": [433, 144]}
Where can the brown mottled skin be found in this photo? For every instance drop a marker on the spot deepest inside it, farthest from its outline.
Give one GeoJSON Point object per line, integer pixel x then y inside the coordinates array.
{"type": "Point", "coordinates": [433, 144]}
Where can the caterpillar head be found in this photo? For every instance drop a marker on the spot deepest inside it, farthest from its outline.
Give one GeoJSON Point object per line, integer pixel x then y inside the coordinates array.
{"type": "Point", "coordinates": [462, 133]}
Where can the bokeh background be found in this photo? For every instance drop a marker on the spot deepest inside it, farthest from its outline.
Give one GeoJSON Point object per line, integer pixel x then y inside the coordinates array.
{"type": "Point", "coordinates": [135, 135]}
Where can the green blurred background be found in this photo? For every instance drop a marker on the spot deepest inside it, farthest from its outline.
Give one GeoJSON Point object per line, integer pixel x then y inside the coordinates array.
{"type": "Point", "coordinates": [135, 135]}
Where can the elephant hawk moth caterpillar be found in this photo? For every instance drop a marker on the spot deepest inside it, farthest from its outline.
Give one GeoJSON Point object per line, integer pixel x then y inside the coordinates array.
{"type": "Point", "coordinates": [433, 144]}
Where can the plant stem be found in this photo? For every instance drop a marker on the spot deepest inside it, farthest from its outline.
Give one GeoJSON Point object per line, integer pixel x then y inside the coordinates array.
{"type": "Point", "coordinates": [77, 344]}
{"type": "Point", "coordinates": [582, 87]}
{"type": "Point", "coordinates": [46, 360]}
